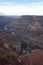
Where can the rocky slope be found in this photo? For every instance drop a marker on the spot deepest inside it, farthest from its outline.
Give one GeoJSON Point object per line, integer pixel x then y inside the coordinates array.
{"type": "Point", "coordinates": [8, 55]}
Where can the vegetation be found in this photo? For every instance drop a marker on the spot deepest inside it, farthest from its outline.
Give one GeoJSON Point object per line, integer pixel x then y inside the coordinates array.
{"type": "Point", "coordinates": [23, 46]}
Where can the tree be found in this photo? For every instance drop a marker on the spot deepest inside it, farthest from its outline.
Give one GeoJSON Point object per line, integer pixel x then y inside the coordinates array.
{"type": "Point", "coordinates": [23, 46]}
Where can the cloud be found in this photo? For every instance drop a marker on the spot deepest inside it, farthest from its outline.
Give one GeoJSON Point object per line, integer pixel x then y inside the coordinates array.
{"type": "Point", "coordinates": [22, 10]}
{"type": "Point", "coordinates": [20, 2]}
{"type": "Point", "coordinates": [12, 8]}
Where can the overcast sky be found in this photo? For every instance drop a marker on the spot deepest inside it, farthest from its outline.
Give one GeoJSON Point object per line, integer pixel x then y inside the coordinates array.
{"type": "Point", "coordinates": [21, 7]}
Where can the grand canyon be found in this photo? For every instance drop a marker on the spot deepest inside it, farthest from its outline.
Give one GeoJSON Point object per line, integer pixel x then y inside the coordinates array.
{"type": "Point", "coordinates": [21, 40]}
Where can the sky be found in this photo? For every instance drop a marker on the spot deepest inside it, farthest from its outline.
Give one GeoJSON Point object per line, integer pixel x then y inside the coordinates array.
{"type": "Point", "coordinates": [21, 7]}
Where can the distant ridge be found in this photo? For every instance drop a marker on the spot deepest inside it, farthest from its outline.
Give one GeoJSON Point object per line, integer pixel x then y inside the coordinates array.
{"type": "Point", "coordinates": [9, 16]}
